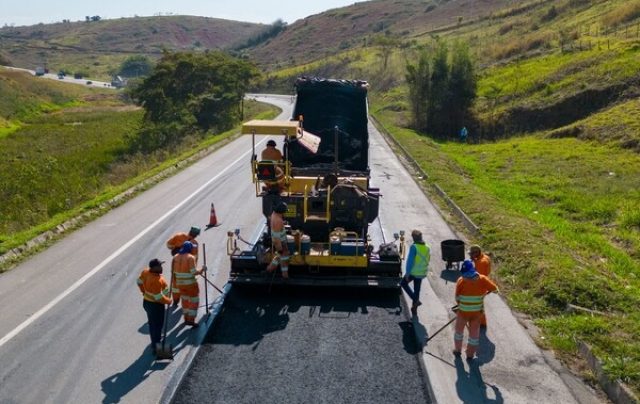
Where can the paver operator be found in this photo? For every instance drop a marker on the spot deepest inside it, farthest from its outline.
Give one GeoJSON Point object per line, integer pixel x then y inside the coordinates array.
{"type": "Point", "coordinates": [273, 155]}
{"type": "Point", "coordinates": [482, 263]}
{"type": "Point", "coordinates": [185, 272]}
{"type": "Point", "coordinates": [416, 269]}
{"type": "Point", "coordinates": [279, 240]}
{"type": "Point", "coordinates": [471, 288]}
{"type": "Point", "coordinates": [175, 244]}
{"type": "Point", "coordinates": [155, 293]}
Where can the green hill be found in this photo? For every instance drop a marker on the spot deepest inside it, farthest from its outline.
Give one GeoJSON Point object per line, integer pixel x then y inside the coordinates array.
{"type": "Point", "coordinates": [98, 47]}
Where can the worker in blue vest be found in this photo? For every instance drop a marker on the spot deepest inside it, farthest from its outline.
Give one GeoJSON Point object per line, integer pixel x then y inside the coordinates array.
{"type": "Point", "coordinates": [416, 269]}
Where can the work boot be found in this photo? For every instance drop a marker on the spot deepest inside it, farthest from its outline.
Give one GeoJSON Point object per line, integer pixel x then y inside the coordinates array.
{"type": "Point", "coordinates": [157, 348]}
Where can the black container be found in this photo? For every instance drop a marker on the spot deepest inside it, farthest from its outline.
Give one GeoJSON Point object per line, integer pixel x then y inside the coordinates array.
{"type": "Point", "coordinates": [452, 250]}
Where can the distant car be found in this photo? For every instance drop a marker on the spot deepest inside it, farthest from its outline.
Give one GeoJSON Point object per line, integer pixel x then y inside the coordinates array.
{"type": "Point", "coordinates": [89, 82]}
{"type": "Point", "coordinates": [60, 76]}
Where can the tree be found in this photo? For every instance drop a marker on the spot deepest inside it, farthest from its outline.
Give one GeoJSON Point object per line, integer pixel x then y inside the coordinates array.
{"type": "Point", "coordinates": [419, 81]}
{"type": "Point", "coordinates": [386, 44]}
{"type": "Point", "coordinates": [462, 86]}
{"type": "Point", "coordinates": [190, 92]}
{"type": "Point", "coordinates": [436, 109]}
{"type": "Point", "coordinates": [135, 66]}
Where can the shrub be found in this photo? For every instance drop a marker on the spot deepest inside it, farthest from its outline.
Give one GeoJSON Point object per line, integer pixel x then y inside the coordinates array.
{"type": "Point", "coordinates": [622, 14]}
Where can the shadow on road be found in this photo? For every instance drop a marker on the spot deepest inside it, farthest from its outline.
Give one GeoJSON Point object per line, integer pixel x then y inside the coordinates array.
{"type": "Point", "coordinates": [471, 388]}
{"type": "Point", "coordinates": [486, 350]}
{"type": "Point", "coordinates": [118, 385]}
{"type": "Point", "coordinates": [258, 311]}
{"type": "Point", "coordinates": [449, 275]}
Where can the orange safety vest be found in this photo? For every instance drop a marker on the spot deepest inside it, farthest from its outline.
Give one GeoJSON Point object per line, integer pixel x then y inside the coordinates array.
{"type": "Point", "coordinates": [184, 270]}
{"type": "Point", "coordinates": [482, 264]}
{"type": "Point", "coordinates": [153, 286]}
{"type": "Point", "coordinates": [470, 294]}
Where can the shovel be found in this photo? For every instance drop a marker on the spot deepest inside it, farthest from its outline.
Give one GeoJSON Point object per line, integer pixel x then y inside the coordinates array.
{"type": "Point", "coordinates": [165, 351]}
{"type": "Point", "coordinates": [206, 293]}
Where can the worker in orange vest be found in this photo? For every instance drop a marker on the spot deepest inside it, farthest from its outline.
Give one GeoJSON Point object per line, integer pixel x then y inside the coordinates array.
{"type": "Point", "coordinates": [155, 293]}
{"type": "Point", "coordinates": [184, 273]}
{"type": "Point", "coordinates": [471, 288]}
{"type": "Point", "coordinates": [482, 263]}
{"type": "Point", "coordinates": [174, 244]}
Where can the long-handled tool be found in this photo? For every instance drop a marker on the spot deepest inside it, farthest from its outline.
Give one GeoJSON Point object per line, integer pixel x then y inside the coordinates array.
{"type": "Point", "coordinates": [442, 328]}
{"type": "Point", "coordinates": [166, 351]}
{"type": "Point", "coordinates": [206, 293]}
{"type": "Point", "coordinates": [212, 284]}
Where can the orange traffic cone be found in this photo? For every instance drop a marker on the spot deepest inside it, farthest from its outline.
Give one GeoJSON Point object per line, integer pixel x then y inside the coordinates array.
{"type": "Point", "coordinates": [213, 220]}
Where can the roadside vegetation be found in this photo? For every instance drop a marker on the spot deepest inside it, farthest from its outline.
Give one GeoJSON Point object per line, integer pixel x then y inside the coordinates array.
{"type": "Point", "coordinates": [71, 150]}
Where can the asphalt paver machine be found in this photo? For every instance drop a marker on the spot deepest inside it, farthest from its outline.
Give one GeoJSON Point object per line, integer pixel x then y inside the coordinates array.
{"type": "Point", "coordinates": [324, 178]}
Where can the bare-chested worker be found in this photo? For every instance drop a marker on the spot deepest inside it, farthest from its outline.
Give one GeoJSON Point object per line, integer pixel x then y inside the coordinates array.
{"type": "Point", "coordinates": [279, 240]}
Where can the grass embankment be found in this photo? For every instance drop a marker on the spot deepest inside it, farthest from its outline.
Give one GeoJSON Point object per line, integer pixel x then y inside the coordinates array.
{"type": "Point", "coordinates": [64, 160]}
{"type": "Point", "coordinates": [561, 218]}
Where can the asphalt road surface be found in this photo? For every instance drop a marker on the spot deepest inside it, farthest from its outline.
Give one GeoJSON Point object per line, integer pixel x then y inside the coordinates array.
{"type": "Point", "coordinates": [308, 346]}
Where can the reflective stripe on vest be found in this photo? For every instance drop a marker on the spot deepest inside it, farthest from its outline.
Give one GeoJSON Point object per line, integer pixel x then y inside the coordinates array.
{"type": "Point", "coordinates": [421, 261]}
{"type": "Point", "coordinates": [184, 279]}
{"type": "Point", "coordinates": [470, 303]}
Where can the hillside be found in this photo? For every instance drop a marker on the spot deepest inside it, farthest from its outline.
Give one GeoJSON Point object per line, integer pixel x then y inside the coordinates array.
{"type": "Point", "coordinates": [98, 47]}
{"type": "Point", "coordinates": [354, 26]}
{"type": "Point", "coordinates": [24, 97]}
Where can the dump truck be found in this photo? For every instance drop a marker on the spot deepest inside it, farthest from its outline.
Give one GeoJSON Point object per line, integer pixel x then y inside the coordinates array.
{"type": "Point", "coordinates": [325, 180]}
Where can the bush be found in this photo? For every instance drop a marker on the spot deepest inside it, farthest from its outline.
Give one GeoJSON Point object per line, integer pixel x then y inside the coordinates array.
{"type": "Point", "coordinates": [623, 14]}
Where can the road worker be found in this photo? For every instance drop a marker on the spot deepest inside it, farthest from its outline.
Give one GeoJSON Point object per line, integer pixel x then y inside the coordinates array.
{"type": "Point", "coordinates": [471, 288]}
{"type": "Point", "coordinates": [416, 269]}
{"type": "Point", "coordinates": [175, 244]}
{"type": "Point", "coordinates": [272, 155]}
{"type": "Point", "coordinates": [185, 272]}
{"type": "Point", "coordinates": [482, 263]}
{"type": "Point", "coordinates": [155, 293]}
{"type": "Point", "coordinates": [279, 240]}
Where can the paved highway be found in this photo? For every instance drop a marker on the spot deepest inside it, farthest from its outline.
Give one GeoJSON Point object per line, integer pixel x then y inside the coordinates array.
{"type": "Point", "coordinates": [72, 328]}
{"type": "Point", "coordinates": [67, 79]}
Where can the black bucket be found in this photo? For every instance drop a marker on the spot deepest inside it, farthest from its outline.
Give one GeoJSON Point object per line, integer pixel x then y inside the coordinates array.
{"type": "Point", "coordinates": [452, 250]}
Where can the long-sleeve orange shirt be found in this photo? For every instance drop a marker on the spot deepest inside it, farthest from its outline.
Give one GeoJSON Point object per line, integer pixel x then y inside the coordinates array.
{"type": "Point", "coordinates": [470, 294]}
{"type": "Point", "coordinates": [482, 263]}
{"type": "Point", "coordinates": [153, 286]}
{"type": "Point", "coordinates": [178, 239]}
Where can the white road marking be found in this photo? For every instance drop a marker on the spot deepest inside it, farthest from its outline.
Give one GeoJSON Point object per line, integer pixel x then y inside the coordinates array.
{"type": "Point", "coordinates": [95, 270]}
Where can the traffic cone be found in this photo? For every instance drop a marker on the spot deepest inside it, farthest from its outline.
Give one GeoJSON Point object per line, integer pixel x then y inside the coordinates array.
{"type": "Point", "coordinates": [213, 219]}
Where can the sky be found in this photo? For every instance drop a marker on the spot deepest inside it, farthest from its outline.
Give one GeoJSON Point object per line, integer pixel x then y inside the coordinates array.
{"type": "Point", "coordinates": [30, 12]}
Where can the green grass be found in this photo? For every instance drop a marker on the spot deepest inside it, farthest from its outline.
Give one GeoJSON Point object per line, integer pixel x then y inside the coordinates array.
{"type": "Point", "coordinates": [61, 165]}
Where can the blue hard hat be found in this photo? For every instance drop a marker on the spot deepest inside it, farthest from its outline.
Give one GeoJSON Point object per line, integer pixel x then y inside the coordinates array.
{"type": "Point", "coordinates": [186, 248]}
{"type": "Point", "coordinates": [468, 270]}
